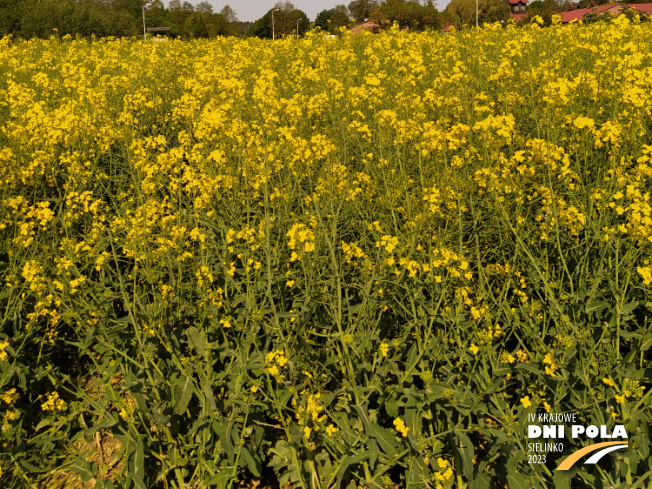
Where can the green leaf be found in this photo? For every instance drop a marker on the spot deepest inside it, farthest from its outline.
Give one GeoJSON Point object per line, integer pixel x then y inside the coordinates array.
{"type": "Point", "coordinates": [253, 465]}
{"type": "Point", "coordinates": [224, 433]}
{"type": "Point", "coordinates": [529, 367]}
{"type": "Point", "coordinates": [323, 464]}
{"type": "Point", "coordinates": [107, 422]}
{"type": "Point", "coordinates": [125, 319]}
{"type": "Point", "coordinates": [482, 481]}
{"type": "Point", "coordinates": [104, 484]}
{"type": "Point", "coordinates": [208, 395]}
{"type": "Point", "coordinates": [346, 463]}
{"type": "Point", "coordinates": [391, 407]}
{"type": "Point", "coordinates": [628, 308]}
{"type": "Point", "coordinates": [561, 478]}
{"type": "Point", "coordinates": [517, 482]}
{"type": "Point", "coordinates": [84, 469]}
{"type": "Point", "coordinates": [137, 464]}
{"type": "Point", "coordinates": [418, 473]}
{"type": "Point", "coordinates": [464, 453]}
{"type": "Point", "coordinates": [629, 334]}
{"type": "Point", "coordinates": [183, 393]}
{"type": "Point", "coordinates": [596, 306]}
{"type": "Point", "coordinates": [221, 479]}
{"type": "Point", "coordinates": [384, 437]}
{"type": "Point", "coordinates": [364, 418]}
{"type": "Point", "coordinates": [42, 424]}
{"type": "Point", "coordinates": [413, 355]}
{"type": "Point", "coordinates": [198, 340]}
{"type": "Point", "coordinates": [646, 342]}
{"type": "Point", "coordinates": [386, 440]}
{"type": "Point", "coordinates": [373, 453]}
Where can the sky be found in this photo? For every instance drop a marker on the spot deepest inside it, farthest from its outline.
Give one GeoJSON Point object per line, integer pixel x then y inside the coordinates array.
{"type": "Point", "coordinates": [250, 10]}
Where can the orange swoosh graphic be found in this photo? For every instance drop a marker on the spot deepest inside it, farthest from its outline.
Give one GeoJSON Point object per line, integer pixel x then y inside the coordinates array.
{"type": "Point", "coordinates": [571, 459]}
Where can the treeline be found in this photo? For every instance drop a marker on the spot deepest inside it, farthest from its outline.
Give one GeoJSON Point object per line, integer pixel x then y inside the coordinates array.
{"type": "Point", "coordinates": [40, 18]}
{"type": "Point", "coordinates": [462, 12]}
{"type": "Point", "coordinates": [410, 14]}
{"type": "Point", "coordinates": [103, 18]}
{"type": "Point", "coordinates": [284, 19]}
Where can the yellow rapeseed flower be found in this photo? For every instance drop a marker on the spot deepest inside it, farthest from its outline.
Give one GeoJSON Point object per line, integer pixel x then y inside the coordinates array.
{"type": "Point", "coordinates": [400, 427]}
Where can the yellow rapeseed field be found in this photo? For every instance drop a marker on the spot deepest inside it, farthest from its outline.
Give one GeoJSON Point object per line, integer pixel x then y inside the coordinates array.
{"type": "Point", "coordinates": [325, 262]}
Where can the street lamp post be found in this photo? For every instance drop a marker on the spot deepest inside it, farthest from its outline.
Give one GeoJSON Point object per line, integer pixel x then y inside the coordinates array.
{"type": "Point", "coordinates": [476, 14]}
{"type": "Point", "coordinates": [273, 33]}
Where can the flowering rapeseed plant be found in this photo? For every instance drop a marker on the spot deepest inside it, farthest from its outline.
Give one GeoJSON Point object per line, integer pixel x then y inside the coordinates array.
{"type": "Point", "coordinates": [239, 258]}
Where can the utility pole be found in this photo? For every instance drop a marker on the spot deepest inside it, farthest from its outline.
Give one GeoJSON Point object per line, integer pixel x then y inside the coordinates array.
{"type": "Point", "coordinates": [297, 28]}
{"type": "Point", "coordinates": [273, 33]}
{"type": "Point", "coordinates": [476, 14]}
{"type": "Point", "coordinates": [144, 30]}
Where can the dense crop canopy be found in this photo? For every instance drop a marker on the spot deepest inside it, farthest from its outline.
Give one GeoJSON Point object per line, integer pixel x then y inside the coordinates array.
{"type": "Point", "coordinates": [354, 260]}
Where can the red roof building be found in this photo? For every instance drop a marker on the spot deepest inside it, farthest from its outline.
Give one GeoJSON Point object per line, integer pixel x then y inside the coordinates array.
{"type": "Point", "coordinates": [370, 26]}
{"type": "Point", "coordinates": [612, 8]}
{"type": "Point", "coordinates": [448, 28]}
{"type": "Point", "coordinates": [518, 9]}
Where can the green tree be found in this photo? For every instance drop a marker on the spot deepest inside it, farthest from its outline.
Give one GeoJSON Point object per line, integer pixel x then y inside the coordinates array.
{"type": "Point", "coordinates": [204, 8]}
{"type": "Point", "coordinates": [204, 23]}
{"type": "Point", "coordinates": [544, 8]}
{"type": "Point", "coordinates": [229, 21]}
{"type": "Point", "coordinates": [10, 16]}
{"type": "Point", "coordinates": [181, 13]}
{"type": "Point", "coordinates": [409, 14]}
{"type": "Point", "coordinates": [133, 8]}
{"type": "Point", "coordinates": [156, 15]}
{"type": "Point", "coordinates": [39, 18]}
{"type": "Point", "coordinates": [362, 9]}
{"type": "Point", "coordinates": [339, 18]}
{"type": "Point", "coordinates": [229, 14]}
{"type": "Point", "coordinates": [463, 11]}
{"type": "Point", "coordinates": [287, 20]}
{"type": "Point", "coordinates": [333, 19]}
{"type": "Point", "coordinates": [323, 18]}
{"type": "Point", "coordinates": [195, 25]}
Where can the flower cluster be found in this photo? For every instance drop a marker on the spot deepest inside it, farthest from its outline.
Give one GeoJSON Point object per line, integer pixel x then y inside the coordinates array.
{"type": "Point", "coordinates": [400, 427]}
{"type": "Point", "coordinates": [301, 241]}
{"type": "Point", "coordinates": [53, 402]}
{"type": "Point", "coordinates": [276, 362]}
